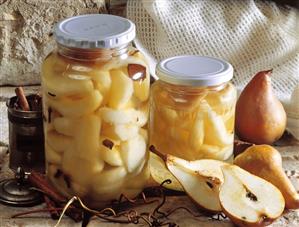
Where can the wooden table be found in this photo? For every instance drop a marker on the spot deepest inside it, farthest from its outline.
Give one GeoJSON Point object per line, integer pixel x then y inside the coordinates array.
{"type": "Point", "coordinates": [290, 154]}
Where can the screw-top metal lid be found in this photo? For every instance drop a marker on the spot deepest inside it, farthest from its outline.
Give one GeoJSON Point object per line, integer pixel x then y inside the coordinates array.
{"type": "Point", "coordinates": [193, 70]}
{"type": "Point", "coordinates": [94, 31]}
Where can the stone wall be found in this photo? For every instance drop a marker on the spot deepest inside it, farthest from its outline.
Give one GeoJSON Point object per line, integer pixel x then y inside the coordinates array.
{"type": "Point", "coordinates": [26, 34]}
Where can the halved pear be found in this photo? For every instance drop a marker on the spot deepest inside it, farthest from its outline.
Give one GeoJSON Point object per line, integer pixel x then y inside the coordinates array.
{"type": "Point", "coordinates": [249, 200]}
{"type": "Point", "coordinates": [265, 161]}
{"type": "Point", "coordinates": [160, 173]}
{"type": "Point", "coordinates": [201, 180]}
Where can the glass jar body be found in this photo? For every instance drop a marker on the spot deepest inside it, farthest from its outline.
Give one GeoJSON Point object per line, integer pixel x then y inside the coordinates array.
{"type": "Point", "coordinates": [95, 119]}
{"type": "Point", "coordinates": [193, 122]}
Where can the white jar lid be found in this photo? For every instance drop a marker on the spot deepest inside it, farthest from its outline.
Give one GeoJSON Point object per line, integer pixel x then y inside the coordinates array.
{"type": "Point", "coordinates": [94, 31]}
{"type": "Point", "coordinates": [193, 70]}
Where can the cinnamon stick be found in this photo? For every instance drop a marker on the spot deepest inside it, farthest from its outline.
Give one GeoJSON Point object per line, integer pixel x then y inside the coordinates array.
{"type": "Point", "coordinates": [22, 99]}
{"type": "Point", "coordinates": [38, 180]}
{"type": "Point", "coordinates": [51, 205]}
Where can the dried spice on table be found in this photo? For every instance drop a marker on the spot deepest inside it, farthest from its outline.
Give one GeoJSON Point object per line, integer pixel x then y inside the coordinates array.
{"type": "Point", "coordinates": [120, 211]}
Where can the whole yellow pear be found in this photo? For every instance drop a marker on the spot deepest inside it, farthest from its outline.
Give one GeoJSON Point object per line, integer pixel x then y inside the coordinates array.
{"type": "Point", "coordinates": [260, 116]}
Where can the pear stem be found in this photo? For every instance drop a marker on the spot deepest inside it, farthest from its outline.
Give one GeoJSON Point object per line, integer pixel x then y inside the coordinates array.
{"type": "Point", "coordinates": [269, 72]}
{"type": "Point", "coordinates": [155, 151]}
{"type": "Point", "coordinates": [240, 146]}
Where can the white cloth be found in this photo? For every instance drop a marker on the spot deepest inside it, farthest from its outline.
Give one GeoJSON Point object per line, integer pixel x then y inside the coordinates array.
{"type": "Point", "coordinates": [251, 35]}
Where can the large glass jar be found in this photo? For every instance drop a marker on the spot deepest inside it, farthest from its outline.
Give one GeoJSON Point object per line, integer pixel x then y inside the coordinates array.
{"type": "Point", "coordinates": [193, 108]}
{"type": "Point", "coordinates": [95, 106]}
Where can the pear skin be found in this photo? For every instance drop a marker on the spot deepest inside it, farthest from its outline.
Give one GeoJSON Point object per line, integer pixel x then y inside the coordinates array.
{"type": "Point", "coordinates": [265, 161]}
{"type": "Point", "coordinates": [241, 223]}
{"type": "Point", "coordinates": [248, 200]}
{"type": "Point", "coordinates": [200, 184]}
{"type": "Point", "coordinates": [260, 116]}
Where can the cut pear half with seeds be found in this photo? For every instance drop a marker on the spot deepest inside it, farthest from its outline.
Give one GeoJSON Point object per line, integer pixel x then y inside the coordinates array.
{"type": "Point", "coordinates": [160, 173]}
{"type": "Point", "coordinates": [200, 179]}
{"type": "Point", "coordinates": [249, 200]}
{"type": "Point", "coordinates": [205, 167]}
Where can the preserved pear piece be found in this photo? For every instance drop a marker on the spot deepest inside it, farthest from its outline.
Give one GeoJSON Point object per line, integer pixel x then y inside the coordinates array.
{"type": "Point", "coordinates": [77, 106]}
{"type": "Point", "coordinates": [102, 80]}
{"type": "Point", "coordinates": [53, 156]}
{"type": "Point", "coordinates": [66, 126]}
{"type": "Point", "coordinates": [133, 152]}
{"type": "Point", "coordinates": [127, 116]}
{"type": "Point", "coordinates": [59, 84]}
{"type": "Point", "coordinates": [110, 152]}
{"type": "Point", "coordinates": [121, 89]}
{"type": "Point", "coordinates": [87, 137]}
{"type": "Point", "coordinates": [58, 141]}
{"type": "Point", "coordinates": [215, 130]}
{"type": "Point", "coordinates": [126, 131]}
{"type": "Point", "coordinates": [77, 168]}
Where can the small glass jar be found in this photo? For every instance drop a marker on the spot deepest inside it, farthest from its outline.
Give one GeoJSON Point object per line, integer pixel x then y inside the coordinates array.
{"type": "Point", "coordinates": [95, 105]}
{"type": "Point", "coordinates": [26, 136]}
{"type": "Point", "coordinates": [193, 108]}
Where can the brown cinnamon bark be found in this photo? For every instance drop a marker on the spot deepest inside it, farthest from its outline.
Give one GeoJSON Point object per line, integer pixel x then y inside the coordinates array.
{"type": "Point", "coordinates": [39, 181]}
{"type": "Point", "coordinates": [22, 99]}
{"type": "Point", "coordinates": [51, 205]}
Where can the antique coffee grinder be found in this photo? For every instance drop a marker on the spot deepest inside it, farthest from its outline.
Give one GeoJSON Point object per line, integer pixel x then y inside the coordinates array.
{"type": "Point", "coordinates": [26, 149]}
